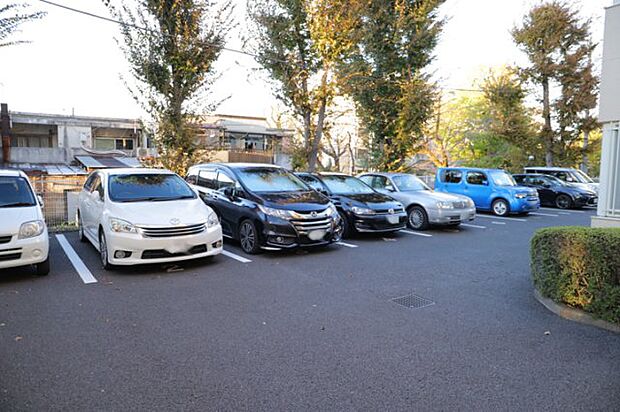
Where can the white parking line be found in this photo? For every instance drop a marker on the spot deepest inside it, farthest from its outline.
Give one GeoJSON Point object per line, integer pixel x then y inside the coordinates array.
{"type": "Point", "coordinates": [498, 223]}
{"type": "Point", "coordinates": [502, 218]}
{"type": "Point", "coordinates": [566, 211]}
{"type": "Point", "coordinates": [236, 257]}
{"type": "Point", "coordinates": [474, 226]}
{"type": "Point", "coordinates": [77, 263]}
{"type": "Point", "coordinates": [563, 213]}
{"type": "Point", "coordinates": [346, 244]}
{"type": "Point", "coordinates": [416, 233]}
{"type": "Point", "coordinates": [543, 214]}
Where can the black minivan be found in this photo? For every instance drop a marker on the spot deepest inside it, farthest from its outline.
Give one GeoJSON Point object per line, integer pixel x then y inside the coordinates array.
{"type": "Point", "coordinates": [361, 208]}
{"type": "Point", "coordinates": [265, 206]}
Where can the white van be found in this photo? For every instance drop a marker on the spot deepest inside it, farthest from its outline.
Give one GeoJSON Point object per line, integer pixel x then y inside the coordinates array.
{"type": "Point", "coordinates": [23, 233]}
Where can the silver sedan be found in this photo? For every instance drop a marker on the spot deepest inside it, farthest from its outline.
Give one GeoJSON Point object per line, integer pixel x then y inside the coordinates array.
{"type": "Point", "coordinates": [424, 206]}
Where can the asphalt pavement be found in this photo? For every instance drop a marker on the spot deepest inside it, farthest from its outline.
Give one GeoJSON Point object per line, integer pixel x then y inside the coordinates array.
{"type": "Point", "coordinates": [306, 330]}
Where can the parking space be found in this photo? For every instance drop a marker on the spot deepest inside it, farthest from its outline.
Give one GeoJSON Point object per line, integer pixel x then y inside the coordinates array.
{"type": "Point", "coordinates": [315, 328]}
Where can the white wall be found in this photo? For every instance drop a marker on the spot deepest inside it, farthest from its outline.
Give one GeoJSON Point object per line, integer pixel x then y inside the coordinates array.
{"type": "Point", "coordinates": [610, 76]}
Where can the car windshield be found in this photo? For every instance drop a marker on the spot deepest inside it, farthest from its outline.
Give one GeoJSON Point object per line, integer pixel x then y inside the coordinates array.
{"type": "Point", "coordinates": [582, 177]}
{"type": "Point", "coordinates": [409, 183]}
{"type": "Point", "coordinates": [270, 180]}
{"type": "Point", "coordinates": [15, 192]}
{"type": "Point", "coordinates": [346, 185]}
{"type": "Point", "coordinates": [148, 187]}
{"type": "Point", "coordinates": [502, 179]}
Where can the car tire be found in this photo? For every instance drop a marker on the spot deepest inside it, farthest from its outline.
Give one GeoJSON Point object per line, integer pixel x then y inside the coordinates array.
{"type": "Point", "coordinates": [43, 268]}
{"type": "Point", "coordinates": [81, 234]}
{"type": "Point", "coordinates": [500, 207]}
{"type": "Point", "coordinates": [103, 252]}
{"type": "Point", "coordinates": [417, 219]}
{"type": "Point", "coordinates": [344, 226]}
{"type": "Point", "coordinates": [563, 201]}
{"type": "Point", "coordinates": [248, 237]}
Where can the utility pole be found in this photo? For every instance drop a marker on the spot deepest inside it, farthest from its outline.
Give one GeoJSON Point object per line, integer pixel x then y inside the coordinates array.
{"type": "Point", "coordinates": [5, 128]}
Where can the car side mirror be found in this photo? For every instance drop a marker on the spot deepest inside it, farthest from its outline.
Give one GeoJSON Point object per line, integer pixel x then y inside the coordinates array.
{"type": "Point", "coordinates": [546, 185]}
{"type": "Point", "coordinates": [40, 200]}
{"type": "Point", "coordinates": [230, 192]}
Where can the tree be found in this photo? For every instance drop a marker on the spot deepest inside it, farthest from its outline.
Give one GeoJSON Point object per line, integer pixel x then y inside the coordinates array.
{"type": "Point", "coordinates": [171, 47]}
{"type": "Point", "coordinates": [386, 78]}
{"type": "Point", "coordinates": [12, 16]}
{"type": "Point", "coordinates": [559, 47]}
{"type": "Point", "coordinates": [493, 128]}
{"type": "Point", "coordinates": [299, 43]}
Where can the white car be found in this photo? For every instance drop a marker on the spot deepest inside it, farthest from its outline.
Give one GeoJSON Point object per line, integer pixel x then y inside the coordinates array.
{"type": "Point", "coordinates": [23, 233]}
{"type": "Point", "coordinates": [135, 216]}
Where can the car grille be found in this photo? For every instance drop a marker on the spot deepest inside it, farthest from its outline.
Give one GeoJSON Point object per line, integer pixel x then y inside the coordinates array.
{"type": "Point", "coordinates": [174, 231]}
{"type": "Point", "coordinates": [5, 239]}
{"type": "Point", "coordinates": [161, 253]}
{"type": "Point", "coordinates": [459, 204]}
{"type": "Point", "coordinates": [387, 211]}
{"type": "Point", "coordinates": [305, 226]}
{"type": "Point", "coordinates": [17, 254]}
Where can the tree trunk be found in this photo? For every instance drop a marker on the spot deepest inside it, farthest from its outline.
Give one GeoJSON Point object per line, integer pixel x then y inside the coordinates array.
{"type": "Point", "coordinates": [584, 152]}
{"type": "Point", "coordinates": [313, 155]}
{"type": "Point", "coordinates": [547, 132]}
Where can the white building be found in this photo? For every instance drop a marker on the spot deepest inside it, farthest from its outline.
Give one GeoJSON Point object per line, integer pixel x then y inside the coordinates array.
{"type": "Point", "coordinates": [609, 197]}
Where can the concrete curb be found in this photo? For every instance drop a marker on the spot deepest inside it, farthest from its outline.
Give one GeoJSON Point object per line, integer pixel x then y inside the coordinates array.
{"type": "Point", "coordinates": [573, 314]}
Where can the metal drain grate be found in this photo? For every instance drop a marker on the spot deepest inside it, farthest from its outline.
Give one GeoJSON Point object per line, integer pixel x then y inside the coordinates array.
{"type": "Point", "coordinates": [413, 301]}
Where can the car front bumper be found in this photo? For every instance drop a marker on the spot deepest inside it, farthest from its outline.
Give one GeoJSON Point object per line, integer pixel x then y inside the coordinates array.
{"type": "Point", "coordinates": [144, 250]}
{"type": "Point", "coordinates": [585, 201]}
{"type": "Point", "coordinates": [24, 252]}
{"type": "Point", "coordinates": [524, 205]}
{"type": "Point", "coordinates": [288, 234]}
{"type": "Point", "coordinates": [451, 216]}
{"type": "Point", "coordinates": [380, 223]}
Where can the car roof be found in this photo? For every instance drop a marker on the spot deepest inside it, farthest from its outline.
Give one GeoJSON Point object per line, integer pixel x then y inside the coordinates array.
{"type": "Point", "coordinates": [133, 171]}
{"type": "Point", "coordinates": [551, 169]}
{"type": "Point", "coordinates": [476, 169]}
{"type": "Point", "coordinates": [12, 172]}
{"type": "Point", "coordinates": [237, 165]}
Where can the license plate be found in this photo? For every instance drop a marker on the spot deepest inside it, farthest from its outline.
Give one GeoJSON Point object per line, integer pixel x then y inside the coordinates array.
{"type": "Point", "coordinates": [392, 219]}
{"type": "Point", "coordinates": [594, 201]}
{"type": "Point", "coordinates": [316, 235]}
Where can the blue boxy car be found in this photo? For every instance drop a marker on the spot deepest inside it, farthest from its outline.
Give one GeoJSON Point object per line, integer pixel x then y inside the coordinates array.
{"type": "Point", "coordinates": [490, 189]}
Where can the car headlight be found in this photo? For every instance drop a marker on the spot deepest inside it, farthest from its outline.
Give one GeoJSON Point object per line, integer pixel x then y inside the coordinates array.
{"type": "Point", "coordinates": [470, 203]}
{"type": "Point", "coordinates": [521, 195]}
{"type": "Point", "coordinates": [281, 213]}
{"type": "Point", "coordinates": [332, 210]}
{"type": "Point", "coordinates": [445, 205]}
{"type": "Point", "coordinates": [31, 229]}
{"type": "Point", "coordinates": [212, 220]}
{"type": "Point", "coordinates": [362, 210]}
{"type": "Point", "coordinates": [120, 225]}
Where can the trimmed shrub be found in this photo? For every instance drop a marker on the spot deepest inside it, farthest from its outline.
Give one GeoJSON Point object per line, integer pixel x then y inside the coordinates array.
{"type": "Point", "coordinates": [580, 267]}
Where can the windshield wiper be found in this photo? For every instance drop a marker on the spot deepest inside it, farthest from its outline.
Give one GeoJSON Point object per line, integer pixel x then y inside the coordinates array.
{"type": "Point", "coordinates": [156, 198]}
{"type": "Point", "coordinates": [162, 199]}
{"type": "Point", "coordinates": [17, 204]}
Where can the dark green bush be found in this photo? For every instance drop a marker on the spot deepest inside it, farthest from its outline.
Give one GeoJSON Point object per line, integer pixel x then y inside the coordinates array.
{"type": "Point", "coordinates": [580, 267]}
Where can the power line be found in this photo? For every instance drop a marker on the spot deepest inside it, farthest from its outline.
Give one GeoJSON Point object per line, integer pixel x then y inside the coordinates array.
{"type": "Point", "coordinates": [122, 23]}
{"type": "Point", "coordinates": [146, 29]}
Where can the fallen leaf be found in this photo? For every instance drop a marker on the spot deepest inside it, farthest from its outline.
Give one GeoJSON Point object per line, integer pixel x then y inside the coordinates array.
{"type": "Point", "coordinates": [18, 338]}
{"type": "Point", "coordinates": [547, 333]}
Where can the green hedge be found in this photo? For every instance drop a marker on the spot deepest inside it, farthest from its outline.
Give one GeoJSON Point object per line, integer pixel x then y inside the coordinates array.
{"type": "Point", "coordinates": [580, 267]}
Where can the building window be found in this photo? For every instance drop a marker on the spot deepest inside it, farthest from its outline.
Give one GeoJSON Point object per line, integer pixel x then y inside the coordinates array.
{"type": "Point", "coordinates": [114, 144]}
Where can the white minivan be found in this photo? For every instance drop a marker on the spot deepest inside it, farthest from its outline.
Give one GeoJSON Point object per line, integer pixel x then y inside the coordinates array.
{"type": "Point", "coordinates": [136, 216]}
{"type": "Point", "coordinates": [23, 233]}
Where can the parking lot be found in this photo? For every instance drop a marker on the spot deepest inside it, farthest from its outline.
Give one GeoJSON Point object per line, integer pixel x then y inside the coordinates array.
{"type": "Point", "coordinates": [308, 329]}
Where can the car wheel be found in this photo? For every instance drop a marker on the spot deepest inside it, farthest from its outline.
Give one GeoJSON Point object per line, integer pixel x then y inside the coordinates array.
{"type": "Point", "coordinates": [563, 202]}
{"type": "Point", "coordinates": [248, 237]}
{"type": "Point", "coordinates": [500, 207]}
{"type": "Point", "coordinates": [417, 218]}
{"type": "Point", "coordinates": [43, 268]}
{"type": "Point", "coordinates": [343, 229]}
{"type": "Point", "coordinates": [103, 252]}
{"type": "Point", "coordinates": [81, 235]}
